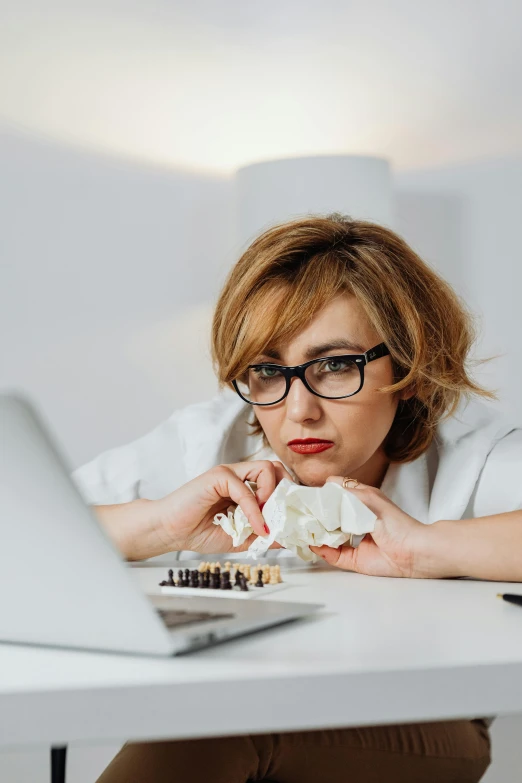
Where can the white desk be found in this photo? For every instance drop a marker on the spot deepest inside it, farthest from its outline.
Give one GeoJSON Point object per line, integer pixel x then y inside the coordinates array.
{"type": "Point", "coordinates": [382, 651]}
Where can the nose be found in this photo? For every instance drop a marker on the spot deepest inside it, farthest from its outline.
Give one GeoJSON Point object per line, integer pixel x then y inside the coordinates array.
{"type": "Point", "coordinates": [302, 405]}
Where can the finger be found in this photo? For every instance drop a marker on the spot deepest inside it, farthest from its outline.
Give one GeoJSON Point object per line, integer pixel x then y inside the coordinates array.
{"type": "Point", "coordinates": [372, 497]}
{"type": "Point", "coordinates": [281, 472]}
{"type": "Point", "coordinates": [230, 486]}
{"type": "Point", "coordinates": [342, 557]}
{"type": "Point", "coordinates": [265, 473]}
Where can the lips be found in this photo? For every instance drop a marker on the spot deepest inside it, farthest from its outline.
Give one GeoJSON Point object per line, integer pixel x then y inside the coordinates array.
{"type": "Point", "coordinates": [309, 445]}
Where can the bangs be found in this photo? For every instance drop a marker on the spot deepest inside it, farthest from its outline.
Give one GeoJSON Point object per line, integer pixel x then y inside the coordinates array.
{"type": "Point", "coordinates": [279, 309]}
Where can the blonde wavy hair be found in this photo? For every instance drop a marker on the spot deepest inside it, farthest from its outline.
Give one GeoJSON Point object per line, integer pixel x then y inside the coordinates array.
{"type": "Point", "coordinates": [290, 272]}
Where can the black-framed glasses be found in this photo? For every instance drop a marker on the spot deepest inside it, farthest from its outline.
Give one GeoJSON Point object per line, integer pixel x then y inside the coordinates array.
{"type": "Point", "coordinates": [331, 377]}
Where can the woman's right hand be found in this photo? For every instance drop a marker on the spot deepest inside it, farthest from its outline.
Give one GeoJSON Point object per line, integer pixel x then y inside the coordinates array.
{"type": "Point", "coordinates": [187, 513]}
{"type": "Point", "coordinates": [184, 519]}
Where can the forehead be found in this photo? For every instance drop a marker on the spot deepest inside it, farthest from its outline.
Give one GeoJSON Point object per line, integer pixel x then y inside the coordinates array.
{"type": "Point", "coordinates": [342, 319]}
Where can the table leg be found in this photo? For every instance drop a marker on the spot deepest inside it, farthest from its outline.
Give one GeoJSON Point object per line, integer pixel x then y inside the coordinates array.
{"type": "Point", "coordinates": [58, 763]}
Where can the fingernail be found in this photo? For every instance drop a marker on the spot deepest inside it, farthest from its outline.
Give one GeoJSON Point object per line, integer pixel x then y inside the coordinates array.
{"type": "Point", "coordinates": [267, 529]}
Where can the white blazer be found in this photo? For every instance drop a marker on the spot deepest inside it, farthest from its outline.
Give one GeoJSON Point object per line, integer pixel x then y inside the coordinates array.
{"type": "Point", "coordinates": [473, 467]}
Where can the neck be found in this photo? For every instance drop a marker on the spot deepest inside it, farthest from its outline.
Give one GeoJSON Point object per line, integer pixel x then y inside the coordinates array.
{"type": "Point", "coordinates": [372, 472]}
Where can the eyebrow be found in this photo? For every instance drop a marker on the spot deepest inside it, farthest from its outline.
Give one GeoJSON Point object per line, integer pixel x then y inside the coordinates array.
{"type": "Point", "coordinates": [315, 351]}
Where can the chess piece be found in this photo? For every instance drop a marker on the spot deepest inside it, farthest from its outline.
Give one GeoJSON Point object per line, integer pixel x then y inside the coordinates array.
{"type": "Point", "coordinates": [228, 566]}
{"type": "Point", "coordinates": [186, 579]}
{"type": "Point", "coordinates": [266, 574]}
{"type": "Point", "coordinates": [243, 586]}
{"type": "Point", "coordinates": [180, 578]}
{"type": "Point", "coordinates": [171, 582]}
{"type": "Point", "coordinates": [225, 581]}
{"type": "Point", "coordinates": [273, 576]}
{"type": "Point", "coordinates": [202, 567]}
{"type": "Point", "coordinates": [237, 578]}
{"type": "Point", "coordinates": [213, 581]}
{"type": "Point", "coordinates": [164, 583]}
{"type": "Point", "coordinates": [194, 578]}
{"type": "Point", "coordinates": [260, 582]}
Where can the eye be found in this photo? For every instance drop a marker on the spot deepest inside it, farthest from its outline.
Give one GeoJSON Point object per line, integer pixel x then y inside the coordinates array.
{"type": "Point", "coordinates": [265, 372]}
{"type": "Point", "coordinates": [335, 365]}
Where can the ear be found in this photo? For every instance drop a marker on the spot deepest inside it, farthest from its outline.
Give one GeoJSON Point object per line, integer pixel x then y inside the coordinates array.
{"type": "Point", "coordinates": [407, 393]}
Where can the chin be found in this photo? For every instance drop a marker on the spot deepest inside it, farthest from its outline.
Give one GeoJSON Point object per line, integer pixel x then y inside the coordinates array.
{"type": "Point", "coordinates": [314, 475]}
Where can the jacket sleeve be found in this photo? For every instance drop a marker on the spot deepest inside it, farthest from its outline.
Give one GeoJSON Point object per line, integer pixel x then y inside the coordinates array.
{"type": "Point", "coordinates": [499, 487]}
{"type": "Point", "coordinates": [149, 467]}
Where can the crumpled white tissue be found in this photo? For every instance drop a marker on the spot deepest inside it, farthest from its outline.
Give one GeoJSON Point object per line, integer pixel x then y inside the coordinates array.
{"type": "Point", "coordinates": [299, 516]}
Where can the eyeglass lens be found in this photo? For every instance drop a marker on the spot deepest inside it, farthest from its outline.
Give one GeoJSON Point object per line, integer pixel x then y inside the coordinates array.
{"type": "Point", "coordinates": [330, 378]}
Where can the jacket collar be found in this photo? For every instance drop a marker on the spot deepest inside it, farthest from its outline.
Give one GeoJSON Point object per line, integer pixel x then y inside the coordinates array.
{"type": "Point", "coordinates": [215, 432]}
{"type": "Point", "coordinates": [439, 484]}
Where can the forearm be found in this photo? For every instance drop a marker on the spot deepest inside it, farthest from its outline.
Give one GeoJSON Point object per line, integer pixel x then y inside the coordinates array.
{"type": "Point", "coordinates": [135, 528]}
{"type": "Point", "coordinates": [484, 548]}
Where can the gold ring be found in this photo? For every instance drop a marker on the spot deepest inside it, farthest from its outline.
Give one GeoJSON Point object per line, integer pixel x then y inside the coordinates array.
{"type": "Point", "coordinates": [346, 481]}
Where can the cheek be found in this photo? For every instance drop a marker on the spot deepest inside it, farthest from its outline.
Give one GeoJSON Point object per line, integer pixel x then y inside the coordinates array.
{"type": "Point", "coordinates": [270, 421]}
{"type": "Point", "coordinates": [366, 421]}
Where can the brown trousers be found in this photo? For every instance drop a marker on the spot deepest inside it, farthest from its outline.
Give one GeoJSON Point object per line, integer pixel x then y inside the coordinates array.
{"type": "Point", "coordinates": [447, 752]}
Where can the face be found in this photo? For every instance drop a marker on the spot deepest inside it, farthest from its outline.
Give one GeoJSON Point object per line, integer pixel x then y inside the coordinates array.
{"type": "Point", "coordinates": [354, 428]}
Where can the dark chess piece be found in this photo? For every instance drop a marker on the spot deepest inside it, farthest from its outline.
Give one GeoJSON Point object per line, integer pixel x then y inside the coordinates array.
{"type": "Point", "coordinates": [213, 585]}
{"type": "Point", "coordinates": [243, 584]}
{"type": "Point", "coordinates": [171, 582]}
{"type": "Point", "coordinates": [259, 582]}
{"type": "Point", "coordinates": [225, 581]}
{"type": "Point", "coordinates": [164, 583]}
{"type": "Point", "coordinates": [194, 578]}
{"type": "Point", "coordinates": [203, 580]}
{"type": "Point", "coordinates": [237, 580]}
{"type": "Point", "coordinates": [180, 578]}
{"type": "Point", "coordinates": [207, 579]}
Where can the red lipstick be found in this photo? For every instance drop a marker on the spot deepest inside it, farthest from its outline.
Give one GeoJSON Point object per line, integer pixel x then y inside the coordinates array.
{"type": "Point", "coordinates": [309, 445]}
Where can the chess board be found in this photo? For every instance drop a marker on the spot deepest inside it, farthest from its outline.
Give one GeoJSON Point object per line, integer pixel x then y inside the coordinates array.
{"type": "Point", "coordinates": [238, 580]}
{"type": "Point", "coordinates": [202, 592]}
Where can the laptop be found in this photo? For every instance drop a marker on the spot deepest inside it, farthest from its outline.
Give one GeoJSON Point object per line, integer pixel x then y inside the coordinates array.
{"type": "Point", "coordinates": [64, 584]}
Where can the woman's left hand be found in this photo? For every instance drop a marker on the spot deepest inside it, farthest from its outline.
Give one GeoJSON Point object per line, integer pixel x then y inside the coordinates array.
{"type": "Point", "coordinates": [395, 548]}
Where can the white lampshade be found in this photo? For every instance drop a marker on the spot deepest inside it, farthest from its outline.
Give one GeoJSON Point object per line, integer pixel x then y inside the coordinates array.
{"type": "Point", "coordinates": [278, 190]}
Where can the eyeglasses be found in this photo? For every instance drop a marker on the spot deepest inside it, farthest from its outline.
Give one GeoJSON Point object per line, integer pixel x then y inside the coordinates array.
{"type": "Point", "coordinates": [331, 377]}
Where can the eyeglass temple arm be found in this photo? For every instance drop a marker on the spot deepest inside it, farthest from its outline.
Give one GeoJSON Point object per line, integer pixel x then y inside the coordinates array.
{"type": "Point", "coordinates": [376, 353]}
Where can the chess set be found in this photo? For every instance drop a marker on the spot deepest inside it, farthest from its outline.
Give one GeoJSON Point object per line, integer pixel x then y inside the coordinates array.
{"type": "Point", "coordinates": [238, 580]}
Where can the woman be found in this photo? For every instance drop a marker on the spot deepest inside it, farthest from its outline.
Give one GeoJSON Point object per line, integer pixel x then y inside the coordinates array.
{"type": "Point", "coordinates": [348, 356]}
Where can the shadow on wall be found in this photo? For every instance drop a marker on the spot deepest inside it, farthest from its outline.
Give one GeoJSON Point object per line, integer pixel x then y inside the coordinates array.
{"type": "Point", "coordinates": [108, 271]}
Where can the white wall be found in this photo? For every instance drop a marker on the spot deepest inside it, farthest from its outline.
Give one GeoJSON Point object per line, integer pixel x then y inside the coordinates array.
{"type": "Point", "coordinates": [466, 221]}
{"type": "Point", "coordinates": [108, 271]}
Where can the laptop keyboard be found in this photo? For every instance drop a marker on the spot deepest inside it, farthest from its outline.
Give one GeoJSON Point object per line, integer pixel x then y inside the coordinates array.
{"type": "Point", "coordinates": [177, 618]}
